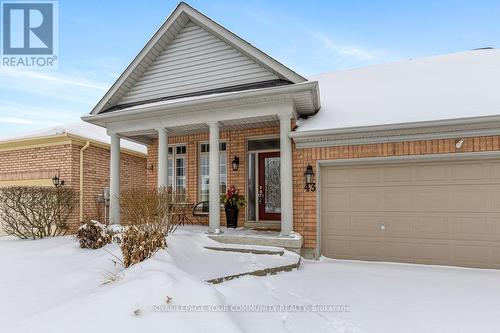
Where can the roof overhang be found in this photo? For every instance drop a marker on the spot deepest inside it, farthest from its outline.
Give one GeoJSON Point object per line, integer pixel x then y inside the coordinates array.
{"type": "Point", "coordinates": [411, 131]}
{"type": "Point", "coordinates": [304, 96]}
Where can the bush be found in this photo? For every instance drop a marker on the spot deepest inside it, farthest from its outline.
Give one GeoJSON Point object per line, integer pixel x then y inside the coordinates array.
{"type": "Point", "coordinates": [93, 235]}
{"type": "Point", "coordinates": [140, 242]}
{"type": "Point", "coordinates": [36, 212]}
{"type": "Point", "coordinates": [156, 207]}
{"type": "Point", "coordinates": [150, 215]}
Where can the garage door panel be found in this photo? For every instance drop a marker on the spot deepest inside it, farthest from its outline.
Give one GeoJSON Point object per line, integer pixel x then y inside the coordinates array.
{"type": "Point", "coordinates": [336, 200]}
{"type": "Point", "coordinates": [468, 171]}
{"type": "Point", "coordinates": [494, 168]}
{"type": "Point", "coordinates": [429, 198]}
{"type": "Point", "coordinates": [431, 172]}
{"type": "Point", "coordinates": [472, 254]}
{"type": "Point", "coordinates": [336, 223]}
{"type": "Point", "coordinates": [398, 199]}
{"type": "Point", "coordinates": [426, 226]}
{"type": "Point", "coordinates": [398, 173]}
{"type": "Point", "coordinates": [366, 248]}
{"type": "Point", "coordinates": [470, 199]}
{"type": "Point", "coordinates": [401, 251]}
{"type": "Point", "coordinates": [368, 175]}
{"type": "Point", "coordinates": [336, 177]}
{"type": "Point", "coordinates": [433, 251]}
{"type": "Point", "coordinates": [367, 199]}
{"type": "Point", "coordinates": [421, 212]}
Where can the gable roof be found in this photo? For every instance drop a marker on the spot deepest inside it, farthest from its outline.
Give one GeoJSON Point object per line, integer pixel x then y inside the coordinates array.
{"type": "Point", "coordinates": [131, 87]}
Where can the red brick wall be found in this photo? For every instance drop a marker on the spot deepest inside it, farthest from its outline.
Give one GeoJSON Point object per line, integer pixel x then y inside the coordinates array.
{"type": "Point", "coordinates": [236, 146]}
{"type": "Point", "coordinates": [305, 202]}
{"type": "Point", "coordinates": [66, 160]}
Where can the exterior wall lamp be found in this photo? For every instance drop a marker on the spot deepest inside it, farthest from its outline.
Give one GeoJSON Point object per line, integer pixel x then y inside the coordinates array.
{"type": "Point", "coordinates": [309, 177]}
{"type": "Point", "coordinates": [57, 182]}
{"type": "Point", "coordinates": [235, 163]}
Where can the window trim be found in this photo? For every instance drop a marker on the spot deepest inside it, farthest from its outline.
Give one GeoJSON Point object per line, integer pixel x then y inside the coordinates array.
{"type": "Point", "coordinates": [200, 175]}
{"type": "Point", "coordinates": [173, 157]}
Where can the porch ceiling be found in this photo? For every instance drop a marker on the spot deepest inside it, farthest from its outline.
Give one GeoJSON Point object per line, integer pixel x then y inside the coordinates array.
{"type": "Point", "coordinates": [227, 125]}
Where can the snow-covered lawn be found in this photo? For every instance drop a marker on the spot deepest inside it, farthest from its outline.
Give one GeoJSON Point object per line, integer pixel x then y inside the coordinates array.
{"type": "Point", "coordinates": [51, 285]}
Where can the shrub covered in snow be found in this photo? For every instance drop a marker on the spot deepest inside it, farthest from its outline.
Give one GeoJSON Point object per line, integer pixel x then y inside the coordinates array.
{"type": "Point", "coordinates": [32, 212]}
{"type": "Point", "coordinates": [93, 235]}
{"type": "Point", "coordinates": [140, 242]}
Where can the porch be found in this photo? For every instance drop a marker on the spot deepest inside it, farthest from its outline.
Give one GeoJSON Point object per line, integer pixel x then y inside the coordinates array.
{"type": "Point", "coordinates": [192, 142]}
{"type": "Point", "coordinates": [194, 156]}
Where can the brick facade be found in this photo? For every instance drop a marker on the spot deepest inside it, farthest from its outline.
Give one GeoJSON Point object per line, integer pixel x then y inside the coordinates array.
{"type": "Point", "coordinates": [304, 203]}
{"type": "Point", "coordinates": [65, 160]}
{"type": "Point", "coordinates": [236, 146]}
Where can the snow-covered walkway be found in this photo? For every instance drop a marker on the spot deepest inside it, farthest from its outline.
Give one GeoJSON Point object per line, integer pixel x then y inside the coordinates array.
{"type": "Point", "coordinates": [51, 285]}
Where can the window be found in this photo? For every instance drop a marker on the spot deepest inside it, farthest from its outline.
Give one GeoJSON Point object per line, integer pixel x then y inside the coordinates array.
{"type": "Point", "coordinates": [177, 163]}
{"type": "Point", "coordinates": [204, 169]}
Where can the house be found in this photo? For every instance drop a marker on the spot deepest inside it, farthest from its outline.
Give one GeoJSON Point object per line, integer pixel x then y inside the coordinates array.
{"type": "Point", "coordinates": [78, 154]}
{"type": "Point", "coordinates": [404, 156]}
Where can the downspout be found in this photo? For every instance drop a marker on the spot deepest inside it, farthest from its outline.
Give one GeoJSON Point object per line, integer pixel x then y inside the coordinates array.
{"type": "Point", "coordinates": [87, 144]}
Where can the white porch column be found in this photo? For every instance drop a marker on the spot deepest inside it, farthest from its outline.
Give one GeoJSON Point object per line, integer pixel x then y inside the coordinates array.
{"type": "Point", "coordinates": [286, 175]}
{"type": "Point", "coordinates": [114, 184]}
{"type": "Point", "coordinates": [162, 157]}
{"type": "Point", "coordinates": [214, 194]}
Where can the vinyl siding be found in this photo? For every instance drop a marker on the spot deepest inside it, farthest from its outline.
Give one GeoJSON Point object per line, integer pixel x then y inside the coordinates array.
{"type": "Point", "coordinates": [195, 61]}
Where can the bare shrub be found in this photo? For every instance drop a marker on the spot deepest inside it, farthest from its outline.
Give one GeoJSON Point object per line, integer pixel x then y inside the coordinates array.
{"type": "Point", "coordinates": [93, 235]}
{"type": "Point", "coordinates": [159, 208]}
{"type": "Point", "coordinates": [151, 215]}
{"type": "Point", "coordinates": [141, 242]}
{"type": "Point", "coordinates": [32, 212]}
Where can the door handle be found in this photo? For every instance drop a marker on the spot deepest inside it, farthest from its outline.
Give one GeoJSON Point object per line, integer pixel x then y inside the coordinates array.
{"type": "Point", "coordinates": [261, 194]}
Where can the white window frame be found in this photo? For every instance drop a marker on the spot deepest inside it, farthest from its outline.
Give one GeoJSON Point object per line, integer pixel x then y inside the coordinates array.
{"type": "Point", "coordinates": [172, 167]}
{"type": "Point", "coordinates": [223, 169]}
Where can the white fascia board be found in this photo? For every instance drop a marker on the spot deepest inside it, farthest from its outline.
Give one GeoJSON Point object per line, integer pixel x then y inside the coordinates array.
{"type": "Point", "coordinates": [171, 120]}
{"type": "Point", "coordinates": [438, 129]}
{"type": "Point", "coordinates": [144, 110]}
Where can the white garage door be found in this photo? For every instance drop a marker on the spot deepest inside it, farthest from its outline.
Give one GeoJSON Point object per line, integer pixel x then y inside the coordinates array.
{"type": "Point", "coordinates": [420, 212]}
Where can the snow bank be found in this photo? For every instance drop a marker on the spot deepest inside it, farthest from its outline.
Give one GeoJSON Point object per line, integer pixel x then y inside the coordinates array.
{"type": "Point", "coordinates": [457, 85]}
{"type": "Point", "coordinates": [52, 285]}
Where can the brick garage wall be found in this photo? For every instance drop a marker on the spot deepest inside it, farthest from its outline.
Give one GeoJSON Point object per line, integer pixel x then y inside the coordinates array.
{"type": "Point", "coordinates": [59, 158]}
{"type": "Point", "coordinates": [236, 146]}
{"type": "Point", "coordinates": [65, 159]}
{"type": "Point", "coordinates": [305, 202]}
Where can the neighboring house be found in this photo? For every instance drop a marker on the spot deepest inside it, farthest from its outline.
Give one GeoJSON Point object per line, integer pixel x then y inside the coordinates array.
{"type": "Point", "coordinates": [35, 158]}
{"type": "Point", "coordinates": [405, 155]}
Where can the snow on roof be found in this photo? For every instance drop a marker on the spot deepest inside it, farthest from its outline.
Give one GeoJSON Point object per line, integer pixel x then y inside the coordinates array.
{"type": "Point", "coordinates": [84, 130]}
{"type": "Point", "coordinates": [458, 85]}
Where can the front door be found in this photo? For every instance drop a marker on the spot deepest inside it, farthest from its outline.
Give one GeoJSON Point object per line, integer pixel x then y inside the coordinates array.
{"type": "Point", "coordinates": [269, 188]}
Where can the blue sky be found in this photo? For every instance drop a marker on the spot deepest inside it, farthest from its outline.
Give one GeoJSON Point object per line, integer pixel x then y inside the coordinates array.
{"type": "Point", "coordinates": [98, 38]}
